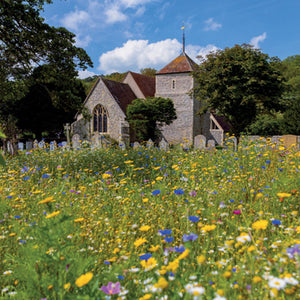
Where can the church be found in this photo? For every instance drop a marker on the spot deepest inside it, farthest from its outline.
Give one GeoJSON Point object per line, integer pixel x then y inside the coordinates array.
{"type": "Point", "coordinates": [105, 106]}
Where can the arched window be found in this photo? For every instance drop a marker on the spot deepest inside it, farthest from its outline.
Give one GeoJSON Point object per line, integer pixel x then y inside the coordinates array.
{"type": "Point", "coordinates": [100, 119]}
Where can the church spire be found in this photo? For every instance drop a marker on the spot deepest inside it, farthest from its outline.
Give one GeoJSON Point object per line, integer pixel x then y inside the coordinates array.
{"type": "Point", "coordinates": [183, 39]}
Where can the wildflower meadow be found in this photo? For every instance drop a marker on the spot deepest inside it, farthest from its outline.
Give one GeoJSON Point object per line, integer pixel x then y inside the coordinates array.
{"type": "Point", "coordinates": [151, 224]}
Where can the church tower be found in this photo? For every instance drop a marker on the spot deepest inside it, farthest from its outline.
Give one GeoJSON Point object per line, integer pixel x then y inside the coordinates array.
{"type": "Point", "coordinates": [175, 81]}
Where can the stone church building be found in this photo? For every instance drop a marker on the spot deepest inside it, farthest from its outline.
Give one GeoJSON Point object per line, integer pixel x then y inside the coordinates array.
{"type": "Point", "coordinates": [107, 102]}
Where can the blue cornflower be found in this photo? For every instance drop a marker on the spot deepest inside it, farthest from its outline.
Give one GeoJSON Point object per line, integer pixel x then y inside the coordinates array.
{"type": "Point", "coordinates": [190, 237]}
{"type": "Point", "coordinates": [120, 277]}
{"type": "Point", "coordinates": [179, 192]}
{"type": "Point", "coordinates": [45, 176]}
{"type": "Point", "coordinates": [179, 249]}
{"type": "Point", "coordinates": [165, 232]}
{"type": "Point", "coordinates": [156, 192]}
{"type": "Point", "coordinates": [26, 178]}
{"type": "Point", "coordinates": [145, 256]}
{"type": "Point", "coordinates": [276, 222]}
{"type": "Point", "coordinates": [193, 218]}
{"type": "Point", "coordinates": [169, 239]}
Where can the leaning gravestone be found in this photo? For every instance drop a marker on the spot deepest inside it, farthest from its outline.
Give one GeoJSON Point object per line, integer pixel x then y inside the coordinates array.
{"type": "Point", "coordinates": [76, 141]}
{"type": "Point", "coordinates": [21, 146]}
{"type": "Point", "coordinates": [150, 144]}
{"type": "Point", "coordinates": [200, 142]}
{"type": "Point", "coordinates": [29, 145]}
{"type": "Point", "coordinates": [35, 144]}
{"type": "Point", "coordinates": [211, 144]}
{"type": "Point", "coordinates": [163, 145]}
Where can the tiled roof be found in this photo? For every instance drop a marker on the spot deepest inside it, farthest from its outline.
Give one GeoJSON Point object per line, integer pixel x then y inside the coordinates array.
{"type": "Point", "coordinates": [121, 92]}
{"type": "Point", "coordinates": [181, 64]}
{"type": "Point", "coordinates": [145, 83]}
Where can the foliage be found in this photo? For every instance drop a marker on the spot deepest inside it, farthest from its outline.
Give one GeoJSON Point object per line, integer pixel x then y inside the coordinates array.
{"type": "Point", "coordinates": [239, 83]}
{"type": "Point", "coordinates": [148, 72]}
{"type": "Point", "coordinates": [147, 116]}
{"type": "Point", "coordinates": [115, 76]}
{"type": "Point", "coordinates": [159, 224]}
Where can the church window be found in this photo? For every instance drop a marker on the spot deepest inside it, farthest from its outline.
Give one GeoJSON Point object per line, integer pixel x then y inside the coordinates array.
{"type": "Point", "coordinates": [173, 84]}
{"type": "Point", "coordinates": [100, 119]}
{"type": "Point", "coordinates": [213, 125]}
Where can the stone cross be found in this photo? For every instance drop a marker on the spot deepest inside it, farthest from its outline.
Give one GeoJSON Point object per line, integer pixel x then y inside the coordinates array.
{"type": "Point", "coordinates": [67, 128]}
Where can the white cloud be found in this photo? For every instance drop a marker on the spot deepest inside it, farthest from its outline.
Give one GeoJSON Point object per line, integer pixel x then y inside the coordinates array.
{"type": "Point", "coordinates": [85, 74]}
{"type": "Point", "coordinates": [134, 3]}
{"type": "Point", "coordinates": [74, 19]}
{"type": "Point", "coordinates": [211, 25]}
{"type": "Point", "coordinates": [114, 15]}
{"type": "Point", "coordinates": [82, 41]}
{"type": "Point", "coordinates": [257, 39]}
{"type": "Point", "coordinates": [137, 54]}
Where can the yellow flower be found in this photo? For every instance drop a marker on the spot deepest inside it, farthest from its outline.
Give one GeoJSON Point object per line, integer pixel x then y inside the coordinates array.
{"type": "Point", "coordinates": [261, 224]}
{"type": "Point", "coordinates": [149, 264]}
{"type": "Point", "coordinates": [256, 279]}
{"type": "Point", "coordinates": [227, 274]}
{"type": "Point", "coordinates": [146, 297]}
{"type": "Point", "coordinates": [47, 200]}
{"type": "Point", "coordinates": [154, 248]}
{"type": "Point", "coordinates": [173, 265]}
{"type": "Point", "coordinates": [140, 242]}
{"type": "Point", "coordinates": [162, 283]}
{"type": "Point", "coordinates": [284, 195]}
{"type": "Point", "coordinates": [184, 254]}
{"type": "Point", "coordinates": [67, 285]}
{"type": "Point", "coordinates": [159, 178]}
{"type": "Point", "coordinates": [220, 293]}
{"type": "Point", "coordinates": [251, 248]}
{"type": "Point", "coordinates": [50, 287]}
{"type": "Point", "coordinates": [53, 214]}
{"type": "Point", "coordinates": [145, 228]}
{"type": "Point", "coordinates": [208, 228]}
{"type": "Point", "coordinates": [84, 279]}
{"type": "Point", "coordinates": [12, 234]}
{"type": "Point", "coordinates": [79, 220]}
{"type": "Point", "coordinates": [106, 175]}
{"type": "Point", "coordinates": [145, 200]}
{"type": "Point", "coordinates": [201, 259]}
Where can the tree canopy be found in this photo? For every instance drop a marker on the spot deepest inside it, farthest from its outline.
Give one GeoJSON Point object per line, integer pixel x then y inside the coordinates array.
{"type": "Point", "coordinates": [147, 116]}
{"type": "Point", "coordinates": [239, 83]}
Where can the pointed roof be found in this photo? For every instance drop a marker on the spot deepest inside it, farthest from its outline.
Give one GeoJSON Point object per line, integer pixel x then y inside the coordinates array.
{"type": "Point", "coordinates": [181, 64]}
{"type": "Point", "coordinates": [145, 83]}
{"type": "Point", "coordinates": [121, 92]}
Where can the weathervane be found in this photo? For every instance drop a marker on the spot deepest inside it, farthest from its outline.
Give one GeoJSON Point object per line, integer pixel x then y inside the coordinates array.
{"type": "Point", "coordinates": [183, 39]}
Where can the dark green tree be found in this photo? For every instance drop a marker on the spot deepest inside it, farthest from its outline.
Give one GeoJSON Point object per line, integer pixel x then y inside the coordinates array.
{"type": "Point", "coordinates": [239, 83]}
{"type": "Point", "coordinates": [148, 72]}
{"type": "Point", "coordinates": [147, 116]}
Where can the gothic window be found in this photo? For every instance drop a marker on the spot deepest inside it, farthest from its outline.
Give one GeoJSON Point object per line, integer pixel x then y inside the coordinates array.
{"type": "Point", "coordinates": [100, 119]}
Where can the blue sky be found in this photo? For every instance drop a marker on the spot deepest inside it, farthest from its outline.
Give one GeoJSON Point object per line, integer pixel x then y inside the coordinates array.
{"type": "Point", "coordinates": [122, 35]}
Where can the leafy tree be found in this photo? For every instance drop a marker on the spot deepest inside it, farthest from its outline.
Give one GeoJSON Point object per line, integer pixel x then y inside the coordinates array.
{"type": "Point", "coordinates": [115, 76]}
{"type": "Point", "coordinates": [239, 83]}
{"type": "Point", "coordinates": [147, 116]}
{"type": "Point", "coordinates": [148, 71]}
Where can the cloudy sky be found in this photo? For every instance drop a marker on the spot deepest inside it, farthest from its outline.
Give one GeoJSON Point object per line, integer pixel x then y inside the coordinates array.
{"type": "Point", "coordinates": [122, 35]}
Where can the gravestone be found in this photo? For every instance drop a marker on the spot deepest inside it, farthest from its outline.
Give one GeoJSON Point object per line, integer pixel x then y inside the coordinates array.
{"type": "Point", "coordinates": [150, 144]}
{"type": "Point", "coordinates": [185, 146]}
{"type": "Point", "coordinates": [136, 145]}
{"type": "Point", "coordinates": [29, 145]}
{"type": "Point", "coordinates": [41, 144]}
{"type": "Point", "coordinates": [35, 144]}
{"type": "Point", "coordinates": [122, 144]}
{"type": "Point", "coordinates": [200, 142]}
{"type": "Point", "coordinates": [64, 144]}
{"type": "Point", "coordinates": [76, 141]}
{"type": "Point", "coordinates": [96, 140]}
{"type": "Point", "coordinates": [163, 145]}
{"type": "Point", "coordinates": [20, 146]}
{"type": "Point", "coordinates": [231, 143]}
{"type": "Point", "coordinates": [52, 145]}
{"type": "Point", "coordinates": [211, 144]}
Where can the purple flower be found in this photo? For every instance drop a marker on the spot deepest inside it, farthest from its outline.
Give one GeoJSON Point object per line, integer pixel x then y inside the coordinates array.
{"type": "Point", "coordinates": [237, 212]}
{"type": "Point", "coordinates": [191, 237]}
{"type": "Point", "coordinates": [111, 288]}
{"type": "Point", "coordinates": [165, 232]}
{"type": "Point", "coordinates": [276, 222]}
{"type": "Point", "coordinates": [145, 256]}
{"type": "Point", "coordinates": [169, 239]}
{"type": "Point", "coordinates": [193, 193]}
{"type": "Point", "coordinates": [293, 250]}
{"type": "Point", "coordinates": [179, 192]}
{"type": "Point", "coordinates": [179, 249]}
{"type": "Point", "coordinates": [193, 218]}
{"type": "Point", "coordinates": [67, 267]}
{"type": "Point", "coordinates": [156, 192]}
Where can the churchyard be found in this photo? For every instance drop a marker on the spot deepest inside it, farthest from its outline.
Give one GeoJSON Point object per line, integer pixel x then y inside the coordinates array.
{"type": "Point", "coordinates": [145, 222]}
